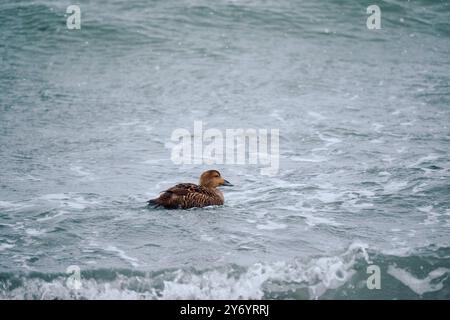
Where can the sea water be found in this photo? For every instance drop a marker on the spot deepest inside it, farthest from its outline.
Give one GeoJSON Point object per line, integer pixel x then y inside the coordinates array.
{"type": "Point", "coordinates": [86, 117]}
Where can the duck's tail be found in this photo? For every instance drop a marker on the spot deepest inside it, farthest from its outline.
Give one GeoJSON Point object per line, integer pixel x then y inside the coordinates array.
{"type": "Point", "coordinates": [154, 203]}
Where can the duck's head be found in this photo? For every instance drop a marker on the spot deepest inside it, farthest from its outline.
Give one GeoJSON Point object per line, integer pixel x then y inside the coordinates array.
{"type": "Point", "coordinates": [213, 179]}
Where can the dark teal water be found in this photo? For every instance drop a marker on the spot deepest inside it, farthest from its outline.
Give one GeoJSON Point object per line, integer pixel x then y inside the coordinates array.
{"type": "Point", "coordinates": [85, 123]}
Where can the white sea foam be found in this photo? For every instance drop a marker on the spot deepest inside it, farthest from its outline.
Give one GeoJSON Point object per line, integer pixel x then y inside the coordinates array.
{"type": "Point", "coordinates": [80, 171]}
{"type": "Point", "coordinates": [7, 205]}
{"type": "Point", "coordinates": [329, 140]}
{"type": "Point", "coordinates": [402, 251]}
{"type": "Point", "coordinates": [316, 115]}
{"type": "Point", "coordinates": [207, 238]}
{"type": "Point", "coordinates": [327, 197]}
{"type": "Point", "coordinates": [50, 217]}
{"type": "Point", "coordinates": [121, 254]}
{"type": "Point", "coordinates": [155, 161]}
{"type": "Point", "coordinates": [55, 196]}
{"type": "Point", "coordinates": [377, 126]}
{"type": "Point", "coordinates": [313, 158]}
{"type": "Point", "coordinates": [395, 186]}
{"type": "Point", "coordinates": [432, 216]}
{"type": "Point", "coordinates": [5, 246]}
{"type": "Point", "coordinates": [14, 206]}
{"type": "Point", "coordinates": [34, 232]}
{"type": "Point", "coordinates": [76, 202]}
{"type": "Point", "coordinates": [419, 188]}
{"type": "Point", "coordinates": [271, 225]}
{"type": "Point", "coordinates": [317, 276]}
{"type": "Point", "coordinates": [358, 205]}
{"type": "Point", "coordinates": [314, 220]}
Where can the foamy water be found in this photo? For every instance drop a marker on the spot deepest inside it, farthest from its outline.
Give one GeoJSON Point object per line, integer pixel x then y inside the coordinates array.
{"type": "Point", "coordinates": [85, 123]}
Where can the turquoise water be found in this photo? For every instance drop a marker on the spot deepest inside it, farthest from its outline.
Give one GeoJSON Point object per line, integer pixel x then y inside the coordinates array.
{"type": "Point", "coordinates": [86, 118]}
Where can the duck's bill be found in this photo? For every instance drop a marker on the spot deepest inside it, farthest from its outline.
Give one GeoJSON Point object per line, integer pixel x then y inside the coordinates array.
{"type": "Point", "coordinates": [226, 183]}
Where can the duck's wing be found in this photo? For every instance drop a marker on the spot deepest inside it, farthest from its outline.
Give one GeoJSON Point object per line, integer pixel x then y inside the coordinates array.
{"type": "Point", "coordinates": [191, 195]}
{"type": "Point", "coordinates": [183, 189]}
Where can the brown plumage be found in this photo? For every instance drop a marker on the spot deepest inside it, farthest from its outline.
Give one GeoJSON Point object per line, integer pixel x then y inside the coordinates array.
{"type": "Point", "coordinates": [189, 195]}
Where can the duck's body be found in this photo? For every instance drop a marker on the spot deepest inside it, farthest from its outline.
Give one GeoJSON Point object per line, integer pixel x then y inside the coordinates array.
{"type": "Point", "coordinates": [189, 195]}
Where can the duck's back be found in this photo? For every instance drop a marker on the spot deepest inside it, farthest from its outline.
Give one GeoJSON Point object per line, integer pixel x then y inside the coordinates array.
{"type": "Point", "coordinates": [187, 195]}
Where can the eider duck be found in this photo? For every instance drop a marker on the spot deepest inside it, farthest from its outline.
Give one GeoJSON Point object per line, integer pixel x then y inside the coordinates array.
{"type": "Point", "coordinates": [189, 195]}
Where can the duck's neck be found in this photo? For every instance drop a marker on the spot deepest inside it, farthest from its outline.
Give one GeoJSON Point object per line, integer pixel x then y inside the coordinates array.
{"type": "Point", "coordinates": [219, 193]}
{"type": "Point", "coordinates": [216, 191]}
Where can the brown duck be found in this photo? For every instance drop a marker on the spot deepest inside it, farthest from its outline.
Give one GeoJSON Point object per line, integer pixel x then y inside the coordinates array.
{"type": "Point", "coordinates": [189, 195]}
